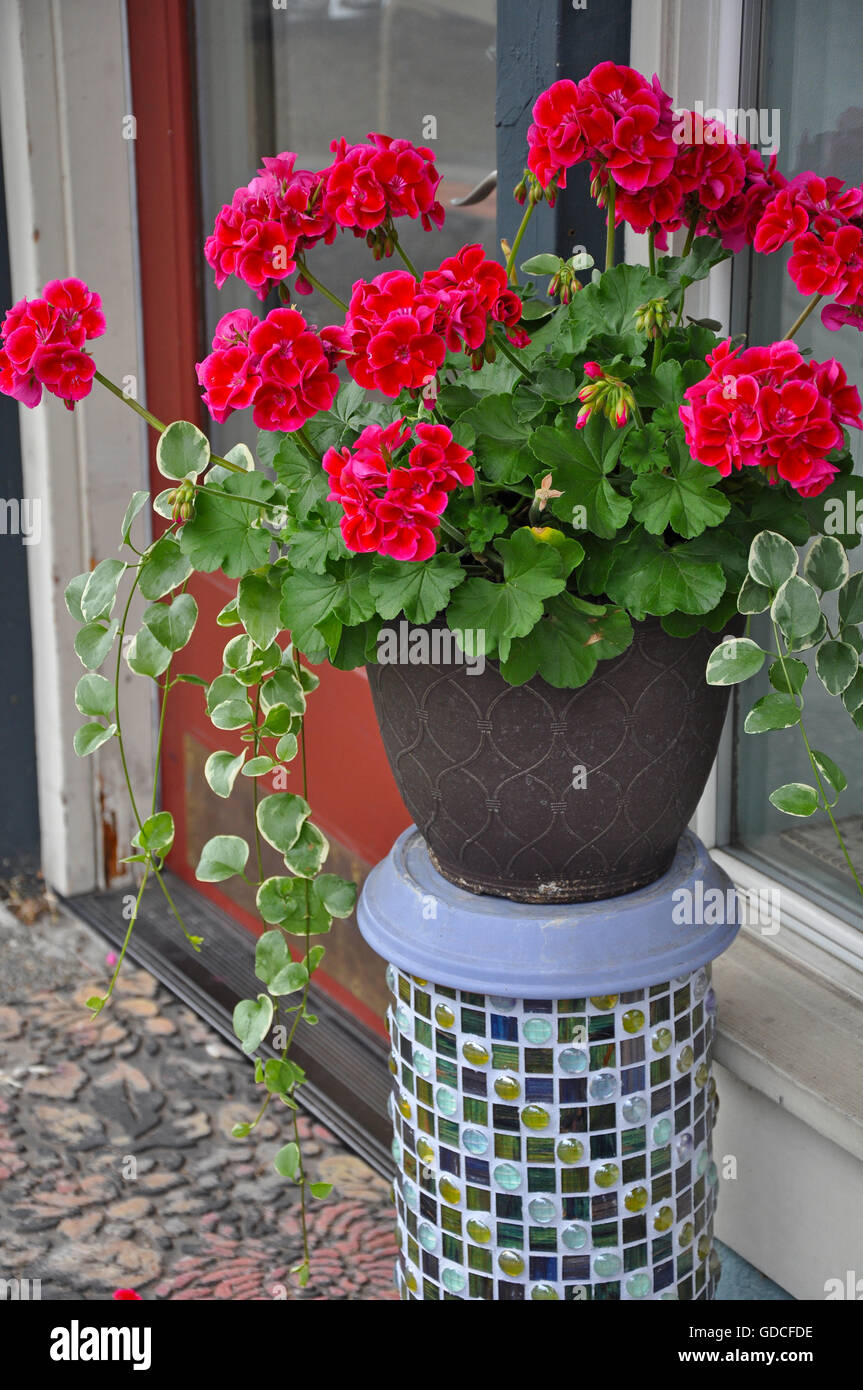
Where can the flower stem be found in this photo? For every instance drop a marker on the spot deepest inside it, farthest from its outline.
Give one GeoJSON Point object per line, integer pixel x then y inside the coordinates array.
{"type": "Point", "coordinates": [405, 257]}
{"type": "Point", "coordinates": [508, 353]}
{"type": "Point", "coordinates": [651, 250]}
{"type": "Point", "coordinates": [687, 247]}
{"type": "Point", "coordinates": [522, 228]}
{"type": "Point", "coordinates": [610, 227]}
{"type": "Point", "coordinates": [152, 420]}
{"type": "Point", "coordinates": [321, 288]}
{"type": "Point", "coordinates": [802, 317]}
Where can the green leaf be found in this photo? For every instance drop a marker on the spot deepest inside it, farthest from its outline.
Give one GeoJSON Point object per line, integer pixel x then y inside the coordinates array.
{"type": "Point", "coordinates": [544, 264]}
{"type": "Point", "coordinates": [319, 539]}
{"type": "Point", "coordinates": [225, 534]}
{"type": "Point", "coordinates": [280, 818]}
{"type": "Point", "coordinates": [753, 598]}
{"type": "Point", "coordinates": [829, 770]}
{"type": "Point", "coordinates": [648, 577]}
{"type": "Point", "coordinates": [851, 599]}
{"type": "Point", "coordinates": [224, 688]}
{"type": "Point", "coordinates": [240, 454]}
{"type": "Point", "coordinates": [287, 748]}
{"type": "Point", "coordinates": [156, 835]}
{"type": "Point", "coordinates": [532, 573]}
{"type": "Point", "coordinates": [788, 676]}
{"type": "Point", "coordinates": [90, 737]}
{"type": "Point", "coordinates": [705, 253]}
{"type": "Point", "coordinates": [796, 608]}
{"type": "Point", "coordinates": [94, 695]}
{"type": "Point", "coordinates": [336, 895]}
{"type": "Point", "coordinates": [733, 661]}
{"type": "Point", "coordinates": [853, 637]}
{"type": "Point", "coordinates": [228, 616]}
{"type": "Point", "coordinates": [232, 714]}
{"type": "Point", "coordinates": [93, 643]}
{"type": "Point", "coordinates": [320, 1190]}
{"type": "Point", "coordinates": [310, 852]}
{"type": "Point", "coordinates": [273, 964]}
{"type": "Point", "coordinates": [419, 591]}
{"type": "Point", "coordinates": [771, 712]}
{"type": "Point", "coordinates": [852, 695]}
{"type": "Point", "coordinates": [579, 461]}
{"type": "Point", "coordinates": [258, 607]}
{"type": "Point", "coordinates": [283, 688]}
{"type": "Point", "coordinates": [182, 451]}
{"type": "Point", "coordinates": [826, 565]}
{"type": "Point", "coordinates": [252, 1020]}
{"type": "Point", "coordinates": [644, 450]}
{"type": "Point", "coordinates": [607, 307]}
{"type": "Point", "coordinates": [483, 524]}
{"type": "Point", "coordinates": [836, 664]}
{"type": "Point", "coordinates": [665, 386]}
{"type": "Point", "coordinates": [277, 898]}
{"type": "Point", "coordinates": [683, 498]}
{"type": "Point", "coordinates": [258, 767]}
{"type": "Point", "coordinates": [100, 591]}
{"type": "Point", "coordinates": [146, 656]}
{"type": "Point", "coordinates": [559, 648]}
{"type": "Point", "coordinates": [772, 560]}
{"type": "Point", "coordinates": [137, 503]}
{"type": "Point", "coordinates": [795, 799]}
{"type": "Point", "coordinates": [303, 477]}
{"type": "Point", "coordinates": [164, 568]}
{"type": "Point", "coordinates": [811, 639]}
{"type": "Point", "coordinates": [221, 858]}
{"type": "Point", "coordinates": [241, 1131]}
{"type": "Point", "coordinates": [221, 771]}
{"type": "Point", "coordinates": [281, 1076]}
{"type": "Point", "coordinates": [72, 595]}
{"type": "Point", "coordinates": [500, 449]}
{"type": "Point", "coordinates": [172, 624]}
{"type": "Point", "coordinates": [287, 1162]}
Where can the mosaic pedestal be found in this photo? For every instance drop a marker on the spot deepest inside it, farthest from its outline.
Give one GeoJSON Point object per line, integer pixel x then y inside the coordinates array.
{"type": "Point", "coordinates": [552, 1100]}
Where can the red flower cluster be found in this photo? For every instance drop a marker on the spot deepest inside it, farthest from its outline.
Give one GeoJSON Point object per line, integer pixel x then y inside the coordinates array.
{"type": "Point", "coordinates": [824, 221]}
{"type": "Point", "coordinates": [369, 185]}
{"type": "Point", "coordinates": [396, 510]}
{"type": "Point", "coordinates": [471, 289]}
{"type": "Point", "coordinates": [268, 223]}
{"type": "Point", "coordinates": [278, 365]}
{"type": "Point", "coordinates": [43, 344]}
{"type": "Point", "coordinates": [769, 408]}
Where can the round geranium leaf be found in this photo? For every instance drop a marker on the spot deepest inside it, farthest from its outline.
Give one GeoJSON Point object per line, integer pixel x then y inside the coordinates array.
{"type": "Point", "coordinates": [795, 799]}
{"type": "Point", "coordinates": [252, 1019]}
{"type": "Point", "coordinates": [826, 565]}
{"type": "Point", "coordinates": [771, 712]}
{"type": "Point", "coordinates": [280, 819]}
{"type": "Point", "coordinates": [836, 664]}
{"type": "Point", "coordinates": [734, 660]}
{"type": "Point", "coordinates": [221, 858]}
{"type": "Point", "coordinates": [796, 608]}
{"type": "Point", "coordinates": [772, 560]}
{"type": "Point", "coordinates": [182, 451]}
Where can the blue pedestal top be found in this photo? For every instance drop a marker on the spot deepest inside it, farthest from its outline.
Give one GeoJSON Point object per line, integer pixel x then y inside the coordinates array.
{"type": "Point", "coordinates": [412, 916]}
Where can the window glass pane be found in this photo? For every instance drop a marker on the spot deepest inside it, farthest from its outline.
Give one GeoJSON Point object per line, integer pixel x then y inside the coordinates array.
{"type": "Point", "coordinates": [811, 77]}
{"type": "Point", "coordinates": [297, 77]}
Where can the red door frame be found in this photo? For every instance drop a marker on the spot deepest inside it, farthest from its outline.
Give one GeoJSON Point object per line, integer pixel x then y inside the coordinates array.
{"type": "Point", "coordinates": [352, 791]}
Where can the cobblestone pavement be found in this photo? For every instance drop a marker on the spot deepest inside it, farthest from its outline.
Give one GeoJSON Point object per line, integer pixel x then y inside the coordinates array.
{"type": "Point", "coordinates": [117, 1165]}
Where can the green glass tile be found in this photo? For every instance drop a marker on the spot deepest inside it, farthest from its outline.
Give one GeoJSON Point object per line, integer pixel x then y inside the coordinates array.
{"type": "Point", "coordinates": [662, 1248]}
{"type": "Point", "coordinates": [428, 1179]}
{"type": "Point", "coordinates": [447, 992]}
{"type": "Point", "coordinates": [660, 1160]}
{"type": "Point", "coordinates": [684, 1263]}
{"type": "Point", "coordinates": [508, 1206]}
{"type": "Point", "coordinates": [510, 1235]}
{"type": "Point", "coordinates": [425, 1120]}
{"type": "Point", "coordinates": [573, 1120]}
{"type": "Point", "coordinates": [413, 1251]}
{"type": "Point", "coordinates": [698, 1192]}
{"type": "Point", "coordinates": [602, 1117]}
{"type": "Point", "coordinates": [479, 1286]}
{"type": "Point", "coordinates": [478, 1199]}
{"type": "Point", "coordinates": [451, 1248]}
{"type": "Point", "coordinates": [448, 1132]}
{"type": "Point", "coordinates": [475, 1111]}
{"type": "Point", "coordinates": [634, 1140]}
{"type": "Point", "coordinates": [602, 1055]}
{"type": "Point", "coordinates": [507, 1146]}
{"type": "Point", "coordinates": [603, 1146]}
{"type": "Point", "coordinates": [575, 1180]}
{"type": "Point", "coordinates": [683, 1028]}
{"type": "Point", "coordinates": [447, 1072]}
{"type": "Point", "coordinates": [543, 1238]}
{"type": "Point", "coordinates": [538, 1061]}
{"type": "Point", "coordinates": [479, 1258]}
{"type": "Point", "coordinates": [504, 1057]}
{"type": "Point", "coordinates": [425, 1091]}
{"type": "Point", "coordinates": [431, 1292]}
{"type": "Point", "coordinates": [600, 1026]}
{"type": "Point", "coordinates": [681, 999]}
{"type": "Point", "coordinates": [477, 999]}
{"type": "Point", "coordinates": [635, 1257]}
{"type": "Point", "coordinates": [660, 1010]}
{"type": "Point", "coordinates": [660, 1188]}
{"type": "Point", "coordinates": [540, 1150]}
{"type": "Point", "coordinates": [423, 1032]}
{"type": "Point", "coordinates": [450, 1220]}
{"type": "Point", "coordinates": [660, 1071]}
{"type": "Point", "coordinates": [410, 1165]}
{"type": "Point", "coordinates": [407, 1079]}
{"type": "Point", "coordinates": [571, 1030]}
{"type": "Point", "coordinates": [473, 1021]}
{"type": "Point", "coordinates": [697, 1018]}
{"type": "Point", "coordinates": [656, 990]}
{"type": "Point", "coordinates": [541, 1180]}
{"type": "Point", "coordinates": [422, 1003]}
{"type": "Point", "coordinates": [635, 1168]}
{"type": "Point", "coordinates": [445, 1043]}
{"type": "Point", "coordinates": [404, 989]}
{"type": "Point", "coordinates": [605, 1234]}
{"type": "Point", "coordinates": [570, 1006]}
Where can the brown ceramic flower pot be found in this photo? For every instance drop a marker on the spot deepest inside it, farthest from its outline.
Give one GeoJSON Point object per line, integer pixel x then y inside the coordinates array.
{"type": "Point", "coordinates": [544, 795]}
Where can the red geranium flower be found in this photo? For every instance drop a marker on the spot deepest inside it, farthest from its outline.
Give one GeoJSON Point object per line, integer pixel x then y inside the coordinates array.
{"type": "Point", "coordinates": [368, 184]}
{"type": "Point", "coordinates": [43, 341]}
{"type": "Point", "coordinates": [390, 333]}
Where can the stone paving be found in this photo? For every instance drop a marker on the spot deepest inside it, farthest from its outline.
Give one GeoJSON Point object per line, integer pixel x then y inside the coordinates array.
{"type": "Point", "coordinates": [117, 1165]}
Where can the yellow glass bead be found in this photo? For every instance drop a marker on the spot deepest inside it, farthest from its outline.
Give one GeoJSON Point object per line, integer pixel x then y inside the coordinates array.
{"type": "Point", "coordinates": [703, 1247]}
{"type": "Point", "coordinates": [633, 1020]}
{"type": "Point", "coordinates": [475, 1053]}
{"type": "Point", "coordinates": [425, 1152]}
{"type": "Point", "coordinates": [607, 1175]}
{"type": "Point", "coordinates": [604, 1001]}
{"type": "Point", "coordinates": [545, 1293]}
{"type": "Point", "coordinates": [686, 1058]}
{"type": "Point", "coordinates": [417, 981]}
{"type": "Point", "coordinates": [701, 1074]}
{"type": "Point", "coordinates": [570, 1150]}
{"type": "Point", "coordinates": [479, 1231]}
{"type": "Point", "coordinates": [449, 1192]}
{"type": "Point", "coordinates": [661, 1040]}
{"type": "Point", "coordinates": [664, 1219]}
{"type": "Point", "coordinates": [687, 1231]}
{"type": "Point", "coordinates": [535, 1117]}
{"type": "Point", "coordinates": [511, 1262]}
{"type": "Point", "coordinates": [444, 1015]}
{"type": "Point", "coordinates": [508, 1087]}
{"type": "Point", "coordinates": [394, 1065]}
{"type": "Point", "coordinates": [405, 1106]}
{"type": "Point", "coordinates": [411, 1281]}
{"type": "Point", "coordinates": [636, 1200]}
